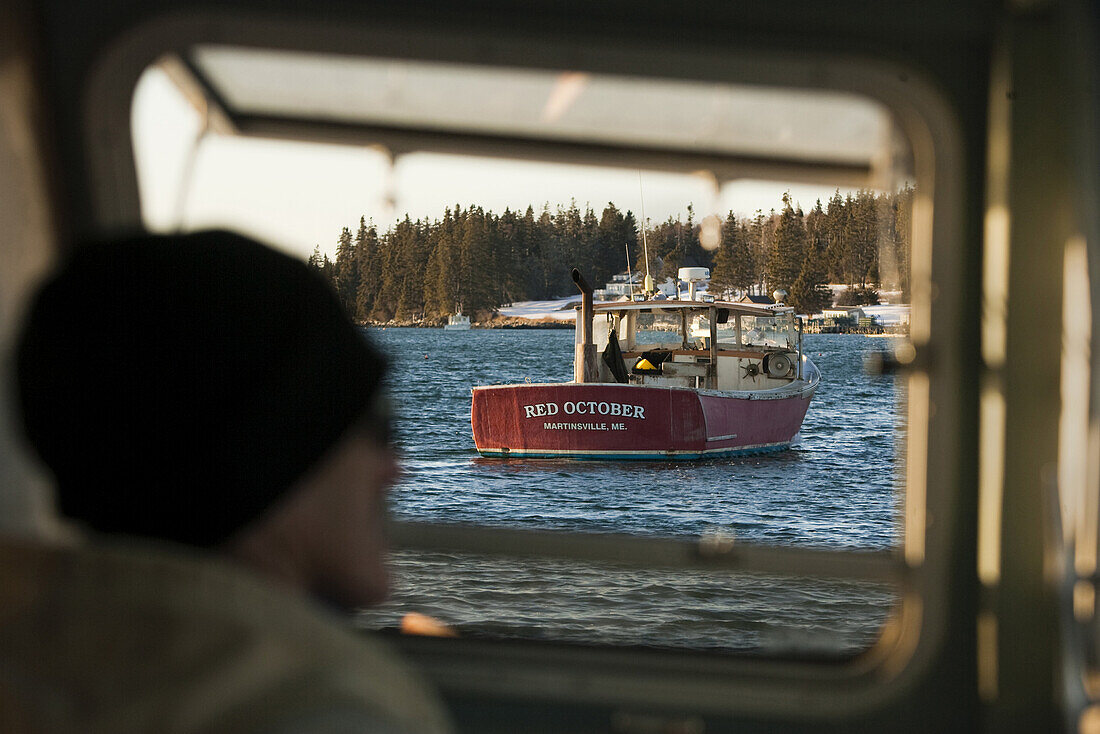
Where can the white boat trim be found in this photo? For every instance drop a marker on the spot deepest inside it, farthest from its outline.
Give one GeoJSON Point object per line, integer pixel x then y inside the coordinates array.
{"type": "Point", "coordinates": [804, 389]}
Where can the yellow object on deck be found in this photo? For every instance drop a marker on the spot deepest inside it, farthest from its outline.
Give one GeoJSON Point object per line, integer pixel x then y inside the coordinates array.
{"type": "Point", "coordinates": [644, 364]}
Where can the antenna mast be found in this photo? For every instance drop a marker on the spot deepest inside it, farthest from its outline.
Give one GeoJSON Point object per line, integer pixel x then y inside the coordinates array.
{"type": "Point", "coordinates": [648, 285]}
{"type": "Point", "coordinates": [629, 277]}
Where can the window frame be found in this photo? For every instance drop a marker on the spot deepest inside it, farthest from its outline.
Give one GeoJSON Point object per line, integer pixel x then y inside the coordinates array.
{"type": "Point", "coordinates": [935, 529]}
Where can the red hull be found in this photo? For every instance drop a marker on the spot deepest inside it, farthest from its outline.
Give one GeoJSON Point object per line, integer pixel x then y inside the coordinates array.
{"type": "Point", "coordinates": [611, 421]}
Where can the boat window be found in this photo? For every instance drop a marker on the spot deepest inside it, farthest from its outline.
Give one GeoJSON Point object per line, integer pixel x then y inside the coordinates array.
{"type": "Point", "coordinates": [658, 328]}
{"type": "Point", "coordinates": [780, 331]}
{"type": "Point", "coordinates": [423, 190]}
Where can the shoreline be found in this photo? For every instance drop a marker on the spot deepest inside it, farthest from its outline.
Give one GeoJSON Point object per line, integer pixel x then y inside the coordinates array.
{"type": "Point", "coordinates": [544, 323]}
{"type": "Point", "coordinates": [498, 322]}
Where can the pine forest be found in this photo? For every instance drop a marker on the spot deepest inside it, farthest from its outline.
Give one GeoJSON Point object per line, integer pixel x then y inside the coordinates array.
{"type": "Point", "coordinates": [477, 261]}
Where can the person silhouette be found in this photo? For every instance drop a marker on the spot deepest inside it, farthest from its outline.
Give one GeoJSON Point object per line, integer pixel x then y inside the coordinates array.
{"type": "Point", "coordinates": [217, 425]}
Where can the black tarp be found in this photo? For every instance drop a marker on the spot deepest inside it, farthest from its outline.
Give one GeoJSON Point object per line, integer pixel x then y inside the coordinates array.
{"type": "Point", "coordinates": [613, 358]}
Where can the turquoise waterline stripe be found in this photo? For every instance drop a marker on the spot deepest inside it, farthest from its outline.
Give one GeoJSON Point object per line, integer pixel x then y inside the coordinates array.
{"type": "Point", "coordinates": [636, 456]}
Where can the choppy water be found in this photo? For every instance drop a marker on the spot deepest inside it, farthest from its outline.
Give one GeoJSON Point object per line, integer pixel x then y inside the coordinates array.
{"type": "Point", "coordinates": [837, 487]}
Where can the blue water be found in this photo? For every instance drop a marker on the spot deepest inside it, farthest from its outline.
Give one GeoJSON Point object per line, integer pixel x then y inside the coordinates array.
{"type": "Point", "coordinates": [837, 487]}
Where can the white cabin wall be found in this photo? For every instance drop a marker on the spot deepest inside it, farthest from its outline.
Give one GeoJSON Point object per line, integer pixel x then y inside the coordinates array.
{"type": "Point", "coordinates": [629, 329]}
{"type": "Point", "coordinates": [600, 330]}
{"type": "Point", "coordinates": [731, 375]}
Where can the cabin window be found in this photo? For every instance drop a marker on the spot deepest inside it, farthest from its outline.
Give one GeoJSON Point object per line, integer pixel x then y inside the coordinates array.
{"type": "Point", "coordinates": [428, 188]}
{"type": "Point", "coordinates": [770, 331]}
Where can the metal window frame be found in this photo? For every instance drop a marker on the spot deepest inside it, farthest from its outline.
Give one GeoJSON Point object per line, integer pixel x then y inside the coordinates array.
{"type": "Point", "coordinates": [913, 640]}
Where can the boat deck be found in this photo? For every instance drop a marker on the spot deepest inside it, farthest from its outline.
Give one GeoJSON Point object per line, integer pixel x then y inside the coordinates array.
{"type": "Point", "coordinates": [735, 370]}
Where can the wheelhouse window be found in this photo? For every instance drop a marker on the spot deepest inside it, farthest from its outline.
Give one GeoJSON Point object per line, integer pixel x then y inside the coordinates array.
{"type": "Point", "coordinates": [471, 192]}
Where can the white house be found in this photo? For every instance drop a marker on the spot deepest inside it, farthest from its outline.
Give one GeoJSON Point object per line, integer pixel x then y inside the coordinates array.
{"type": "Point", "coordinates": [620, 285]}
{"type": "Point", "coordinates": [623, 285]}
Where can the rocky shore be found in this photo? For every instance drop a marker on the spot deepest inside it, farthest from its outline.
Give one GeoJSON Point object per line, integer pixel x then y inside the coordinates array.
{"type": "Point", "coordinates": [496, 322]}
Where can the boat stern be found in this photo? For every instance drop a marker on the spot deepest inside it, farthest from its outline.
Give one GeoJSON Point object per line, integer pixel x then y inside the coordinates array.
{"type": "Point", "coordinates": [586, 421]}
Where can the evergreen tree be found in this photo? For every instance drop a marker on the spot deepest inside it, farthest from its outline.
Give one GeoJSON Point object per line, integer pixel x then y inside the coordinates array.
{"type": "Point", "coordinates": [418, 259]}
{"type": "Point", "coordinates": [346, 271]}
{"type": "Point", "coordinates": [896, 270]}
{"type": "Point", "coordinates": [618, 238]}
{"type": "Point", "coordinates": [369, 266]}
{"type": "Point", "coordinates": [392, 277]}
{"type": "Point", "coordinates": [836, 227]}
{"type": "Point", "coordinates": [810, 294]}
{"type": "Point", "coordinates": [694, 254]}
{"type": "Point", "coordinates": [856, 295]}
{"type": "Point", "coordinates": [408, 242]}
{"type": "Point", "coordinates": [478, 290]}
{"type": "Point", "coordinates": [666, 241]}
{"type": "Point", "coordinates": [314, 260]}
{"type": "Point", "coordinates": [733, 267]}
{"type": "Point", "coordinates": [638, 250]}
{"type": "Point", "coordinates": [440, 279]}
{"type": "Point", "coordinates": [531, 249]}
{"type": "Point", "coordinates": [817, 233]}
{"type": "Point", "coordinates": [568, 223]}
{"type": "Point", "coordinates": [861, 261]}
{"type": "Point", "coordinates": [507, 237]}
{"type": "Point", "coordinates": [628, 238]}
{"type": "Point", "coordinates": [761, 232]}
{"type": "Point", "coordinates": [788, 249]}
{"type": "Point", "coordinates": [321, 264]}
{"type": "Point", "coordinates": [551, 261]}
{"type": "Point", "coordinates": [477, 261]}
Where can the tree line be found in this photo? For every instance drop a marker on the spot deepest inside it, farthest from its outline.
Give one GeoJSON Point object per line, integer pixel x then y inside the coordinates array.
{"type": "Point", "coordinates": [477, 261]}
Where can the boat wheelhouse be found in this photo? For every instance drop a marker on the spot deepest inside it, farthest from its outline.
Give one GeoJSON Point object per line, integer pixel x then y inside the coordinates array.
{"type": "Point", "coordinates": [457, 322]}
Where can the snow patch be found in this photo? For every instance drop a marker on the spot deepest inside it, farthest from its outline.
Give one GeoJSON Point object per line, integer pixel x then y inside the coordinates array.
{"type": "Point", "coordinates": [559, 310]}
{"type": "Point", "coordinates": [889, 315]}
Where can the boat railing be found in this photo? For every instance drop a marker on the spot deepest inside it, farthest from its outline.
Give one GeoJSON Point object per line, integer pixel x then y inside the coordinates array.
{"type": "Point", "coordinates": [701, 368]}
{"type": "Point", "coordinates": [668, 380]}
{"type": "Point", "coordinates": [744, 353]}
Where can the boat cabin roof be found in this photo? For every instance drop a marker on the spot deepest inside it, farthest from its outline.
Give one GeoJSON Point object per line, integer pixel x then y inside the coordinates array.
{"type": "Point", "coordinates": [751, 309]}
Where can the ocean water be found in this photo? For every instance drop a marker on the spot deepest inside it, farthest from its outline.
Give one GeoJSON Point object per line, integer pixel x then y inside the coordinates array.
{"type": "Point", "coordinates": [837, 487]}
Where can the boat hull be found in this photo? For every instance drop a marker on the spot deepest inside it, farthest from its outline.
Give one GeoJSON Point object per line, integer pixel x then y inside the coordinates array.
{"type": "Point", "coordinates": [612, 421]}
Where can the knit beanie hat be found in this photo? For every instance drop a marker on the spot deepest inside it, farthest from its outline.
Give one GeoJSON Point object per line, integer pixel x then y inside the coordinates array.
{"type": "Point", "coordinates": [177, 385]}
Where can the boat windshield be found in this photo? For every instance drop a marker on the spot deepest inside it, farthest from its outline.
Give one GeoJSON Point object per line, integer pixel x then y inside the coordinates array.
{"type": "Point", "coordinates": [666, 328]}
{"type": "Point", "coordinates": [659, 327]}
{"type": "Point", "coordinates": [769, 331]}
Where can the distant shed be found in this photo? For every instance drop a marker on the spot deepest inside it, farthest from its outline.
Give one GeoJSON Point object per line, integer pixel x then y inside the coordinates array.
{"type": "Point", "coordinates": [844, 312]}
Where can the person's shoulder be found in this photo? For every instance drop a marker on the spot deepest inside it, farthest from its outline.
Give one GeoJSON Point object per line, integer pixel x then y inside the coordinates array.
{"type": "Point", "coordinates": [337, 720]}
{"type": "Point", "coordinates": [192, 638]}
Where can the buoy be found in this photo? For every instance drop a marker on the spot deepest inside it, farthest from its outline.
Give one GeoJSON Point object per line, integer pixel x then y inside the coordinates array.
{"type": "Point", "coordinates": [415, 623]}
{"type": "Point", "coordinates": [645, 364]}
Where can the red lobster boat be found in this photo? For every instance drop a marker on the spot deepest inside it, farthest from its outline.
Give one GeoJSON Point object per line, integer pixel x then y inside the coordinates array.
{"type": "Point", "coordinates": [681, 379]}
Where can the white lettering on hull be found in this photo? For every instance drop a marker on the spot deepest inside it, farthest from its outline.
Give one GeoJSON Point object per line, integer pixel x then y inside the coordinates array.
{"type": "Point", "coordinates": [540, 409]}
{"type": "Point", "coordinates": [583, 427]}
{"type": "Point", "coordinates": [584, 407]}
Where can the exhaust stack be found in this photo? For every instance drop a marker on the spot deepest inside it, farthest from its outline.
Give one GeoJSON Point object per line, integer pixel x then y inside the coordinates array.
{"type": "Point", "coordinates": [584, 358]}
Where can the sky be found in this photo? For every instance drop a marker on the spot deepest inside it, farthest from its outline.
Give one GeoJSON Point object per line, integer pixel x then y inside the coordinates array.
{"type": "Point", "coordinates": [299, 195]}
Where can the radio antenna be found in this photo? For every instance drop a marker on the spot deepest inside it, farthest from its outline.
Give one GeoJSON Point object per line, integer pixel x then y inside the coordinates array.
{"type": "Point", "coordinates": [645, 241]}
{"type": "Point", "coordinates": [629, 276]}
